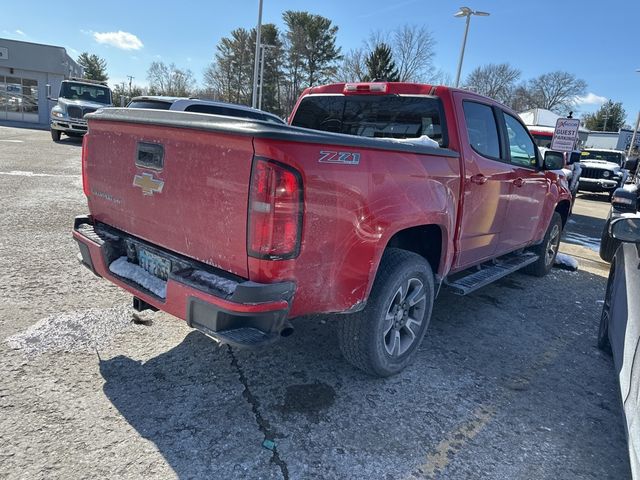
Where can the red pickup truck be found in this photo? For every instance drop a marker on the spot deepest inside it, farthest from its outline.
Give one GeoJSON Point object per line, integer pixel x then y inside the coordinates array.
{"type": "Point", "coordinates": [374, 197]}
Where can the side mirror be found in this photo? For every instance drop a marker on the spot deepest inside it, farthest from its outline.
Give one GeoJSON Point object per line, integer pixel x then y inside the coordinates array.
{"type": "Point", "coordinates": [553, 160]}
{"type": "Point", "coordinates": [626, 229]}
{"type": "Point", "coordinates": [574, 157]}
{"type": "Point", "coordinates": [49, 94]}
{"type": "Point", "coordinates": [625, 199]}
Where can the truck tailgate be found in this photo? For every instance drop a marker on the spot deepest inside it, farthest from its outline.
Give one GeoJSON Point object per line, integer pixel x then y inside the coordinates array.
{"type": "Point", "coordinates": [192, 201]}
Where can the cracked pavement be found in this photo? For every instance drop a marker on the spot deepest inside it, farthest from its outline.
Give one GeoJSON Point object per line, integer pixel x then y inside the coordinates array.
{"type": "Point", "coordinates": [508, 382]}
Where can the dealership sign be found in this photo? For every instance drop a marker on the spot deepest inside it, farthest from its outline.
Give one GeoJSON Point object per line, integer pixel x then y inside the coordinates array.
{"type": "Point", "coordinates": [565, 134]}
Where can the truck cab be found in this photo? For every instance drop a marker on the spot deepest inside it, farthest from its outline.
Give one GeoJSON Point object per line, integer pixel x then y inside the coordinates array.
{"type": "Point", "coordinates": [76, 98]}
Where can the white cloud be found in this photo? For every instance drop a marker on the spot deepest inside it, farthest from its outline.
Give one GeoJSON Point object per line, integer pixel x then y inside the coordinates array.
{"type": "Point", "coordinates": [590, 99]}
{"type": "Point", "coordinates": [119, 39]}
{"type": "Point", "coordinates": [21, 33]}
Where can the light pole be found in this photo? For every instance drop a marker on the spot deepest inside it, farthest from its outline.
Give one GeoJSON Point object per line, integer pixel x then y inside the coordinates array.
{"type": "Point", "coordinates": [635, 133]}
{"type": "Point", "coordinates": [256, 64]}
{"type": "Point", "coordinates": [465, 12]}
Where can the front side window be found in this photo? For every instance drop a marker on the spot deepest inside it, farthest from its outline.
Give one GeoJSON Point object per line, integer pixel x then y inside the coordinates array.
{"type": "Point", "coordinates": [521, 148]}
{"type": "Point", "coordinates": [482, 129]}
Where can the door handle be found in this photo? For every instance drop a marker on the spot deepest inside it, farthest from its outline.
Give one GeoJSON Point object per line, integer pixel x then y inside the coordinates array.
{"type": "Point", "coordinates": [518, 182]}
{"type": "Point", "coordinates": [479, 179]}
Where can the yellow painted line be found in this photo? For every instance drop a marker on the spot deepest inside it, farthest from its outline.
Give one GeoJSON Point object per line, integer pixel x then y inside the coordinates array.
{"type": "Point", "coordinates": [455, 441]}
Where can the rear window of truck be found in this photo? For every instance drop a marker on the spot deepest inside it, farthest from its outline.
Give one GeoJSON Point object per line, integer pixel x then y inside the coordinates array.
{"type": "Point", "coordinates": [373, 116]}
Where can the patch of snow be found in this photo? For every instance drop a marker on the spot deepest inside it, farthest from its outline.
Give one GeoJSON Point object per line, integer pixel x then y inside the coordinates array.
{"type": "Point", "coordinates": [214, 281]}
{"type": "Point", "coordinates": [566, 262]}
{"type": "Point", "coordinates": [423, 140]}
{"type": "Point", "coordinates": [20, 173]}
{"type": "Point", "coordinates": [125, 269]}
{"type": "Point", "coordinates": [75, 331]}
{"type": "Point", "coordinates": [579, 239]}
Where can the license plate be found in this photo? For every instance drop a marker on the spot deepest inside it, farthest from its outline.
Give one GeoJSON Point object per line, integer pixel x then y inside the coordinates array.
{"type": "Point", "coordinates": [154, 264]}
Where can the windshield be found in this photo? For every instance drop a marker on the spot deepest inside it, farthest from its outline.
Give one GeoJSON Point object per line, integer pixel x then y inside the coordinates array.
{"type": "Point", "coordinates": [615, 157]}
{"type": "Point", "coordinates": [377, 116]}
{"type": "Point", "coordinates": [82, 91]}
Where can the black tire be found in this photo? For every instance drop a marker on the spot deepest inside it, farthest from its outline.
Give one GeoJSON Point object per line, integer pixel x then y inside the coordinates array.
{"type": "Point", "coordinates": [604, 343]}
{"type": "Point", "coordinates": [365, 337]}
{"type": "Point", "coordinates": [55, 135]}
{"type": "Point", "coordinates": [547, 249]}
{"type": "Point", "coordinates": [608, 245]}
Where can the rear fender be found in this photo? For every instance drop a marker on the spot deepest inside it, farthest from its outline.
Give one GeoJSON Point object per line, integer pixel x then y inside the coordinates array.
{"type": "Point", "coordinates": [430, 204]}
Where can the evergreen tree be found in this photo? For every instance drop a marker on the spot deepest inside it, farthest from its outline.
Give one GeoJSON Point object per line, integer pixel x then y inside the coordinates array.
{"type": "Point", "coordinates": [312, 54]}
{"type": "Point", "coordinates": [380, 65]}
{"type": "Point", "coordinates": [95, 68]}
{"type": "Point", "coordinates": [609, 117]}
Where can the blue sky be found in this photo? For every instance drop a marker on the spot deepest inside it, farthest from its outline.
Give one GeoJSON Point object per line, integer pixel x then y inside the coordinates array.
{"type": "Point", "coordinates": [597, 41]}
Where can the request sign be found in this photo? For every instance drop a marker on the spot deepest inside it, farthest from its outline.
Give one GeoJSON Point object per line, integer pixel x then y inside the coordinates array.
{"type": "Point", "coordinates": [565, 134]}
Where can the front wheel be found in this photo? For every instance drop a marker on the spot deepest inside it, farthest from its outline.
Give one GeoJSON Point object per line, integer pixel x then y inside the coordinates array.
{"type": "Point", "coordinates": [547, 250]}
{"type": "Point", "coordinates": [383, 338]}
{"type": "Point", "coordinates": [55, 135]}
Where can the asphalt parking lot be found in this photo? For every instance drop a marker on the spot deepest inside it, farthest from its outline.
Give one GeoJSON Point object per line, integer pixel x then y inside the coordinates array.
{"type": "Point", "coordinates": [508, 383]}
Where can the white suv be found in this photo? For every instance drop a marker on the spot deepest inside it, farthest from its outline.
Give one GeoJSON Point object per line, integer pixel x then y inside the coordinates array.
{"type": "Point", "coordinates": [202, 106]}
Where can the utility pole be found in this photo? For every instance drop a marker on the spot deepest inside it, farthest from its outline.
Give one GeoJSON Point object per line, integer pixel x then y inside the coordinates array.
{"type": "Point", "coordinates": [130, 80]}
{"type": "Point", "coordinates": [256, 64]}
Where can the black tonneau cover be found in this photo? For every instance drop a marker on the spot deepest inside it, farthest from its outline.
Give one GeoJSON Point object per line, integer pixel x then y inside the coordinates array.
{"type": "Point", "coordinates": [255, 128]}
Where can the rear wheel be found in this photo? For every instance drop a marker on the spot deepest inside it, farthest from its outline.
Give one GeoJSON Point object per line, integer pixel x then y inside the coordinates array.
{"type": "Point", "coordinates": [547, 250]}
{"type": "Point", "coordinates": [383, 338]}
{"type": "Point", "coordinates": [55, 135]}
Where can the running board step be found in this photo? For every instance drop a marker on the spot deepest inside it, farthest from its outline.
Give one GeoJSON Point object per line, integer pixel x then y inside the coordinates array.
{"type": "Point", "coordinates": [490, 273]}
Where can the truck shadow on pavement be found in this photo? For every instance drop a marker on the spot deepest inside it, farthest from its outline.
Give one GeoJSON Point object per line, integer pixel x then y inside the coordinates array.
{"type": "Point", "coordinates": [499, 375]}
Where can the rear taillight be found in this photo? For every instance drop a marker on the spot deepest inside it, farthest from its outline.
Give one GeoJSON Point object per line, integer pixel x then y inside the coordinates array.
{"type": "Point", "coordinates": [275, 211]}
{"type": "Point", "coordinates": [85, 181]}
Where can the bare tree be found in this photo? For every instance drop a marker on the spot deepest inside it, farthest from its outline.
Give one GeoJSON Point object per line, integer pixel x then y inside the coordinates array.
{"type": "Point", "coordinates": [441, 77]}
{"type": "Point", "coordinates": [169, 80]}
{"type": "Point", "coordinates": [413, 51]}
{"type": "Point", "coordinates": [494, 80]}
{"type": "Point", "coordinates": [556, 91]}
{"type": "Point", "coordinates": [521, 98]}
{"type": "Point", "coordinates": [353, 68]}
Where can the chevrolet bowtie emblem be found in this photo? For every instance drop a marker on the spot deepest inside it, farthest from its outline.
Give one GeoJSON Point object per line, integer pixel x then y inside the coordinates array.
{"type": "Point", "coordinates": [148, 184]}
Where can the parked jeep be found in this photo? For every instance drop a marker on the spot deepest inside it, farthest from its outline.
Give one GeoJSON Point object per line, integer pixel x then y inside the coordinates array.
{"type": "Point", "coordinates": [602, 170]}
{"type": "Point", "coordinates": [77, 98]}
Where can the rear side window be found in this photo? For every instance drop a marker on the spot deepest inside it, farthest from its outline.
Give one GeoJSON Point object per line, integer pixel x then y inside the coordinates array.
{"type": "Point", "coordinates": [482, 129]}
{"type": "Point", "coordinates": [230, 112]}
{"type": "Point", "coordinates": [373, 116]}
{"type": "Point", "coordinates": [149, 104]}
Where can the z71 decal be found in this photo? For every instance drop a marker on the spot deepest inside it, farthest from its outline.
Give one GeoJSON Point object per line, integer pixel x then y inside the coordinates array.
{"type": "Point", "coordinates": [346, 158]}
